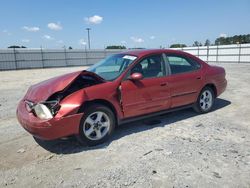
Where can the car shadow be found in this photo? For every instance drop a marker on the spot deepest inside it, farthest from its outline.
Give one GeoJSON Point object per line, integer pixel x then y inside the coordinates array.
{"type": "Point", "coordinates": [70, 145]}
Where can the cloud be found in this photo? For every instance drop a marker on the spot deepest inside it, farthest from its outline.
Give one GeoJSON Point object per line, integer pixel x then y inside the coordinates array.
{"type": "Point", "coordinates": [152, 37]}
{"type": "Point", "coordinates": [7, 32]}
{"type": "Point", "coordinates": [93, 19]}
{"type": "Point", "coordinates": [82, 42]}
{"type": "Point", "coordinates": [47, 37]}
{"type": "Point", "coordinates": [173, 39]}
{"type": "Point", "coordinates": [123, 42]}
{"type": "Point", "coordinates": [60, 41]}
{"type": "Point", "coordinates": [223, 35]}
{"type": "Point", "coordinates": [31, 29]}
{"type": "Point", "coordinates": [26, 40]}
{"type": "Point", "coordinates": [137, 39]}
{"type": "Point", "coordinates": [55, 26]}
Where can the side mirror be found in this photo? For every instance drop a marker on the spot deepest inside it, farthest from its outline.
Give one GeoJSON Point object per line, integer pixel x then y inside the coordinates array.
{"type": "Point", "coordinates": [136, 76]}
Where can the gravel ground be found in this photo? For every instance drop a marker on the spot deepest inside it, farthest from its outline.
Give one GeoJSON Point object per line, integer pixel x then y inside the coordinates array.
{"type": "Point", "coordinates": [183, 150]}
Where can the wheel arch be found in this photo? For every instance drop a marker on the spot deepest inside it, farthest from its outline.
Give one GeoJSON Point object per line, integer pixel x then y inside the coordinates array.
{"type": "Point", "coordinates": [213, 87]}
{"type": "Point", "coordinates": [103, 102]}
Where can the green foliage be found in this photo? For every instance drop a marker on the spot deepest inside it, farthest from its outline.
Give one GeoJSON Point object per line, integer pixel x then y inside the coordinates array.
{"type": "Point", "coordinates": [139, 48]}
{"type": "Point", "coordinates": [178, 46]}
{"type": "Point", "coordinates": [207, 43]}
{"type": "Point", "coordinates": [236, 39]}
{"type": "Point", "coordinates": [196, 43]}
{"type": "Point", "coordinates": [14, 46]}
{"type": "Point", "coordinates": [70, 48]}
{"type": "Point", "coordinates": [115, 47]}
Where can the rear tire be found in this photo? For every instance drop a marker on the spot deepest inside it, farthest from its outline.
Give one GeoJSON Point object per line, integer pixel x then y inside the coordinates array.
{"type": "Point", "coordinates": [205, 100]}
{"type": "Point", "coordinates": [96, 126]}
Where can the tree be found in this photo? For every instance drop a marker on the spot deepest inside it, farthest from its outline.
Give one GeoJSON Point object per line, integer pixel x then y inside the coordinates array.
{"type": "Point", "coordinates": [207, 43]}
{"type": "Point", "coordinates": [236, 39]}
{"type": "Point", "coordinates": [15, 46]}
{"type": "Point", "coordinates": [70, 48]}
{"type": "Point", "coordinates": [196, 43]}
{"type": "Point", "coordinates": [138, 48]}
{"type": "Point", "coordinates": [178, 45]}
{"type": "Point", "coordinates": [115, 47]}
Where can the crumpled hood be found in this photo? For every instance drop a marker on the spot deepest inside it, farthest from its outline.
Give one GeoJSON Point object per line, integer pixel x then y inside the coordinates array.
{"type": "Point", "coordinates": [43, 90]}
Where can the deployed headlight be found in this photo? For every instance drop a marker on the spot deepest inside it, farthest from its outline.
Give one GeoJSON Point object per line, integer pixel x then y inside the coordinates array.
{"type": "Point", "coordinates": [42, 111]}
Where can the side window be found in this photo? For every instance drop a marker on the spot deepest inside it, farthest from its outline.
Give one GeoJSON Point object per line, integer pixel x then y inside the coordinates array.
{"type": "Point", "coordinates": [150, 67]}
{"type": "Point", "coordinates": [180, 64]}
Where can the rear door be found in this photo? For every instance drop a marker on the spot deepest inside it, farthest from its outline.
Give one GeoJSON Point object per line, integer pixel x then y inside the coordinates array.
{"type": "Point", "coordinates": [150, 94]}
{"type": "Point", "coordinates": [185, 80]}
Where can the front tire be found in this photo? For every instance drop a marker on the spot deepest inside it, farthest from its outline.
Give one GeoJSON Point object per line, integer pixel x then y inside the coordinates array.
{"type": "Point", "coordinates": [205, 100]}
{"type": "Point", "coordinates": [96, 126]}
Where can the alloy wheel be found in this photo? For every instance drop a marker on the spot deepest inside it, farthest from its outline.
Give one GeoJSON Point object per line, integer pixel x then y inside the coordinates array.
{"type": "Point", "coordinates": [206, 100]}
{"type": "Point", "coordinates": [96, 125]}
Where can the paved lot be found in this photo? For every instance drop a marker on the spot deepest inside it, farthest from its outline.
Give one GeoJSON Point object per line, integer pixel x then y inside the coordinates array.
{"type": "Point", "coordinates": [184, 150]}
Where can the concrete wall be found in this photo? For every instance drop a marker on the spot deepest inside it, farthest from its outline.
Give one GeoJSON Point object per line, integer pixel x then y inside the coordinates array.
{"type": "Point", "coordinates": [11, 59]}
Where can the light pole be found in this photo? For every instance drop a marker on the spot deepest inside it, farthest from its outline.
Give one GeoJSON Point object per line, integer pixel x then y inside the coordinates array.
{"type": "Point", "coordinates": [88, 29]}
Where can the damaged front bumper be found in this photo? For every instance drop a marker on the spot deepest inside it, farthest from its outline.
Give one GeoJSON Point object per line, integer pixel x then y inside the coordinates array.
{"type": "Point", "coordinates": [51, 129]}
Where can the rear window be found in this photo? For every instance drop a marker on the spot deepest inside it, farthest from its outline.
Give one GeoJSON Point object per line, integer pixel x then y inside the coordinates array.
{"type": "Point", "coordinates": [179, 64]}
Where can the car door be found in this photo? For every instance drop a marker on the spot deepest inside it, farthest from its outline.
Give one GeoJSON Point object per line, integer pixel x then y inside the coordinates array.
{"type": "Point", "coordinates": [185, 80]}
{"type": "Point", "coordinates": [149, 94]}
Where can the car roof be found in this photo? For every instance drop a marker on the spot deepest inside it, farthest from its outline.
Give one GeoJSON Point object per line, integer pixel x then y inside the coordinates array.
{"type": "Point", "coordinates": [140, 53]}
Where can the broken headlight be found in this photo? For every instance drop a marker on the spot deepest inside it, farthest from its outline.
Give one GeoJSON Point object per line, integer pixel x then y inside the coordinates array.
{"type": "Point", "coordinates": [44, 110]}
{"type": "Point", "coordinates": [52, 105]}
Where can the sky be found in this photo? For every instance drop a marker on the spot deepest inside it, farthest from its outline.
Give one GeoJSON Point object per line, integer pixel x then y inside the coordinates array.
{"type": "Point", "coordinates": [133, 23]}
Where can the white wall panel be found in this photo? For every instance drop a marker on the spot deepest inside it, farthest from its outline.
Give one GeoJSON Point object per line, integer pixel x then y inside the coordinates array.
{"type": "Point", "coordinates": [37, 58]}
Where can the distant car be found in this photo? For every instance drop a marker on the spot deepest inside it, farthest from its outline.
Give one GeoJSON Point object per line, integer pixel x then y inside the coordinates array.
{"type": "Point", "coordinates": [121, 88]}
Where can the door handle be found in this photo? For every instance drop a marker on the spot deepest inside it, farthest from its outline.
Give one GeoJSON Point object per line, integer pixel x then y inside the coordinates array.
{"type": "Point", "coordinates": [198, 78]}
{"type": "Point", "coordinates": [163, 84]}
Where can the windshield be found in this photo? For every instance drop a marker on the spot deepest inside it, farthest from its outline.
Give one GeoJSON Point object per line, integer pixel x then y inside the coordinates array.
{"type": "Point", "coordinates": [113, 66]}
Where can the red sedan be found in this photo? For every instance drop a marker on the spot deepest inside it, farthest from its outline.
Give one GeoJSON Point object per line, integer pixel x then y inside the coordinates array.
{"type": "Point", "coordinates": [121, 88]}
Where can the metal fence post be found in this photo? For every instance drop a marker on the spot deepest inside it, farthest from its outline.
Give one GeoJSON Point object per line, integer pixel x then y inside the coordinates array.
{"type": "Point", "coordinates": [65, 56]}
{"type": "Point", "coordinates": [207, 53]}
{"type": "Point", "coordinates": [14, 51]}
{"type": "Point", "coordinates": [105, 53]}
{"type": "Point", "coordinates": [42, 57]}
{"type": "Point", "coordinates": [198, 51]}
{"type": "Point", "coordinates": [217, 50]}
{"type": "Point", "coordinates": [86, 57]}
{"type": "Point", "coordinates": [239, 53]}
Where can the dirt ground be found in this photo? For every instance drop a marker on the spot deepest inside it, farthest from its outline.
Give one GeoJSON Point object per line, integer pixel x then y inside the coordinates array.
{"type": "Point", "coordinates": [183, 150]}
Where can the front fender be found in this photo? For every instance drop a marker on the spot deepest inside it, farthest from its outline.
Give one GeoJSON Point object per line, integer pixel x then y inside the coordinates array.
{"type": "Point", "coordinates": [71, 104]}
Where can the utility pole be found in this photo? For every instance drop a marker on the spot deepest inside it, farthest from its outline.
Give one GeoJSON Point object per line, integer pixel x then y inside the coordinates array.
{"type": "Point", "coordinates": [88, 29]}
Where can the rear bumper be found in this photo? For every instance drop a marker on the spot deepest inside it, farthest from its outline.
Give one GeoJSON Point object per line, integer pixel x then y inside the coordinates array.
{"type": "Point", "coordinates": [48, 129]}
{"type": "Point", "coordinates": [221, 87]}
